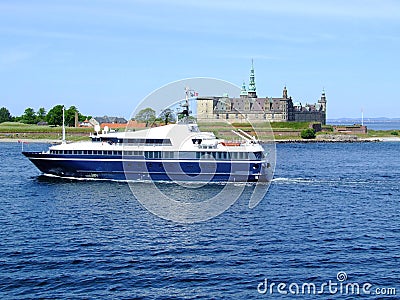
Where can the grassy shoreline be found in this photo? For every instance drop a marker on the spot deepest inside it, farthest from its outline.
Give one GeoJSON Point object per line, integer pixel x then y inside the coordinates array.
{"type": "Point", "coordinates": [10, 131]}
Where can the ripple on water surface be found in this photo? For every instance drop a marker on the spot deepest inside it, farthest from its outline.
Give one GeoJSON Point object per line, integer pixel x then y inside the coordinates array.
{"type": "Point", "coordinates": [330, 208]}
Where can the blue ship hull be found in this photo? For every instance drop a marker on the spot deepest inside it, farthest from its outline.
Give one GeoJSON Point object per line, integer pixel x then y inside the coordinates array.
{"type": "Point", "coordinates": [122, 168]}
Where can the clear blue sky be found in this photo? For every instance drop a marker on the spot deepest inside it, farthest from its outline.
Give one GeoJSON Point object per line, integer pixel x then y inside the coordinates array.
{"type": "Point", "coordinates": [106, 56]}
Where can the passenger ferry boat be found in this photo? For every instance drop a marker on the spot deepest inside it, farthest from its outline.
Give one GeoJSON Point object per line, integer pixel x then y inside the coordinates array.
{"type": "Point", "coordinates": [175, 152]}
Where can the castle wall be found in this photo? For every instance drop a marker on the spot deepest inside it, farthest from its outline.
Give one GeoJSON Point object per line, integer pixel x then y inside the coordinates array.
{"type": "Point", "coordinates": [310, 116]}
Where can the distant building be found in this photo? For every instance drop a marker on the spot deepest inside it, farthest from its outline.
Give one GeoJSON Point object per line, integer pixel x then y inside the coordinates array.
{"type": "Point", "coordinates": [112, 123]}
{"type": "Point", "coordinates": [42, 123]}
{"type": "Point", "coordinates": [250, 107]}
{"type": "Point", "coordinates": [350, 129]}
{"type": "Point", "coordinates": [85, 123]}
{"type": "Point", "coordinates": [136, 124]}
{"type": "Point", "coordinates": [112, 120]}
{"type": "Point", "coordinates": [132, 124]}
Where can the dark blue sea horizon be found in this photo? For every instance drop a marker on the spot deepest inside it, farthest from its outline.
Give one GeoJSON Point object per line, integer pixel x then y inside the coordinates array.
{"type": "Point", "coordinates": [331, 209]}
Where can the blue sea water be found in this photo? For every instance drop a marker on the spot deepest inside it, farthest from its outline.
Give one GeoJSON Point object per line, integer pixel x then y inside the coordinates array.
{"type": "Point", "coordinates": [331, 208]}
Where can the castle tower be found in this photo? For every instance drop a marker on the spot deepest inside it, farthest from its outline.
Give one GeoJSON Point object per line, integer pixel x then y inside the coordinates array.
{"type": "Point", "coordinates": [284, 94]}
{"type": "Point", "coordinates": [252, 84]}
{"type": "Point", "coordinates": [243, 92]}
{"type": "Point", "coordinates": [204, 108]}
{"type": "Point", "coordinates": [322, 101]}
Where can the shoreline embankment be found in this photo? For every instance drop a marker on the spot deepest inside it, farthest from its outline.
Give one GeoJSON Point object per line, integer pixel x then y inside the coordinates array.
{"type": "Point", "coordinates": [278, 141]}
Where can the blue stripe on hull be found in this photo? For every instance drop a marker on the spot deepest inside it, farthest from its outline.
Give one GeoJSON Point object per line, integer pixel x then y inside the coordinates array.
{"type": "Point", "coordinates": [117, 169]}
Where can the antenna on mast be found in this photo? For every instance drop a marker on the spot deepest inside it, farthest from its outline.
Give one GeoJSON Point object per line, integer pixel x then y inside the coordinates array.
{"type": "Point", "coordinates": [362, 116]}
{"type": "Point", "coordinates": [185, 106]}
{"type": "Point", "coordinates": [185, 112]}
{"type": "Point", "coordinates": [63, 124]}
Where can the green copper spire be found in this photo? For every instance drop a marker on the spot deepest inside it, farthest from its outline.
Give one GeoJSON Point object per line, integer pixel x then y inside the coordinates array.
{"type": "Point", "coordinates": [252, 83]}
{"type": "Point", "coordinates": [243, 92]}
{"type": "Point", "coordinates": [244, 86]}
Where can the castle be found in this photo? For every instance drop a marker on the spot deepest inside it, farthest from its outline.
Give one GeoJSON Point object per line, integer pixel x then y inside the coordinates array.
{"type": "Point", "coordinates": [252, 108]}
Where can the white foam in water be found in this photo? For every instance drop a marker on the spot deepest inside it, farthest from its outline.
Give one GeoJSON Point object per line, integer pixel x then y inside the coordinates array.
{"type": "Point", "coordinates": [293, 180]}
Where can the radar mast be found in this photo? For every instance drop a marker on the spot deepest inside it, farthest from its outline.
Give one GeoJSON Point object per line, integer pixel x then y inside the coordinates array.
{"type": "Point", "coordinates": [189, 93]}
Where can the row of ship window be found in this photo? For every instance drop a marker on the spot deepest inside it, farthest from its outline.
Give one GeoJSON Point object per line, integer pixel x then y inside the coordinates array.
{"type": "Point", "coordinates": [223, 155]}
{"type": "Point", "coordinates": [164, 154]}
{"type": "Point", "coordinates": [147, 142]}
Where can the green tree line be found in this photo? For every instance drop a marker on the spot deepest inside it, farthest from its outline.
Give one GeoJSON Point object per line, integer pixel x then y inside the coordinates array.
{"type": "Point", "coordinates": [148, 116]}
{"type": "Point", "coordinates": [166, 116]}
{"type": "Point", "coordinates": [52, 117]}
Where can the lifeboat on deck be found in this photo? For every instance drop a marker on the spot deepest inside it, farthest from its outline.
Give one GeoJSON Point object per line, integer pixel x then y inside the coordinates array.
{"type": "Point", "coordinates": [231, 144]}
